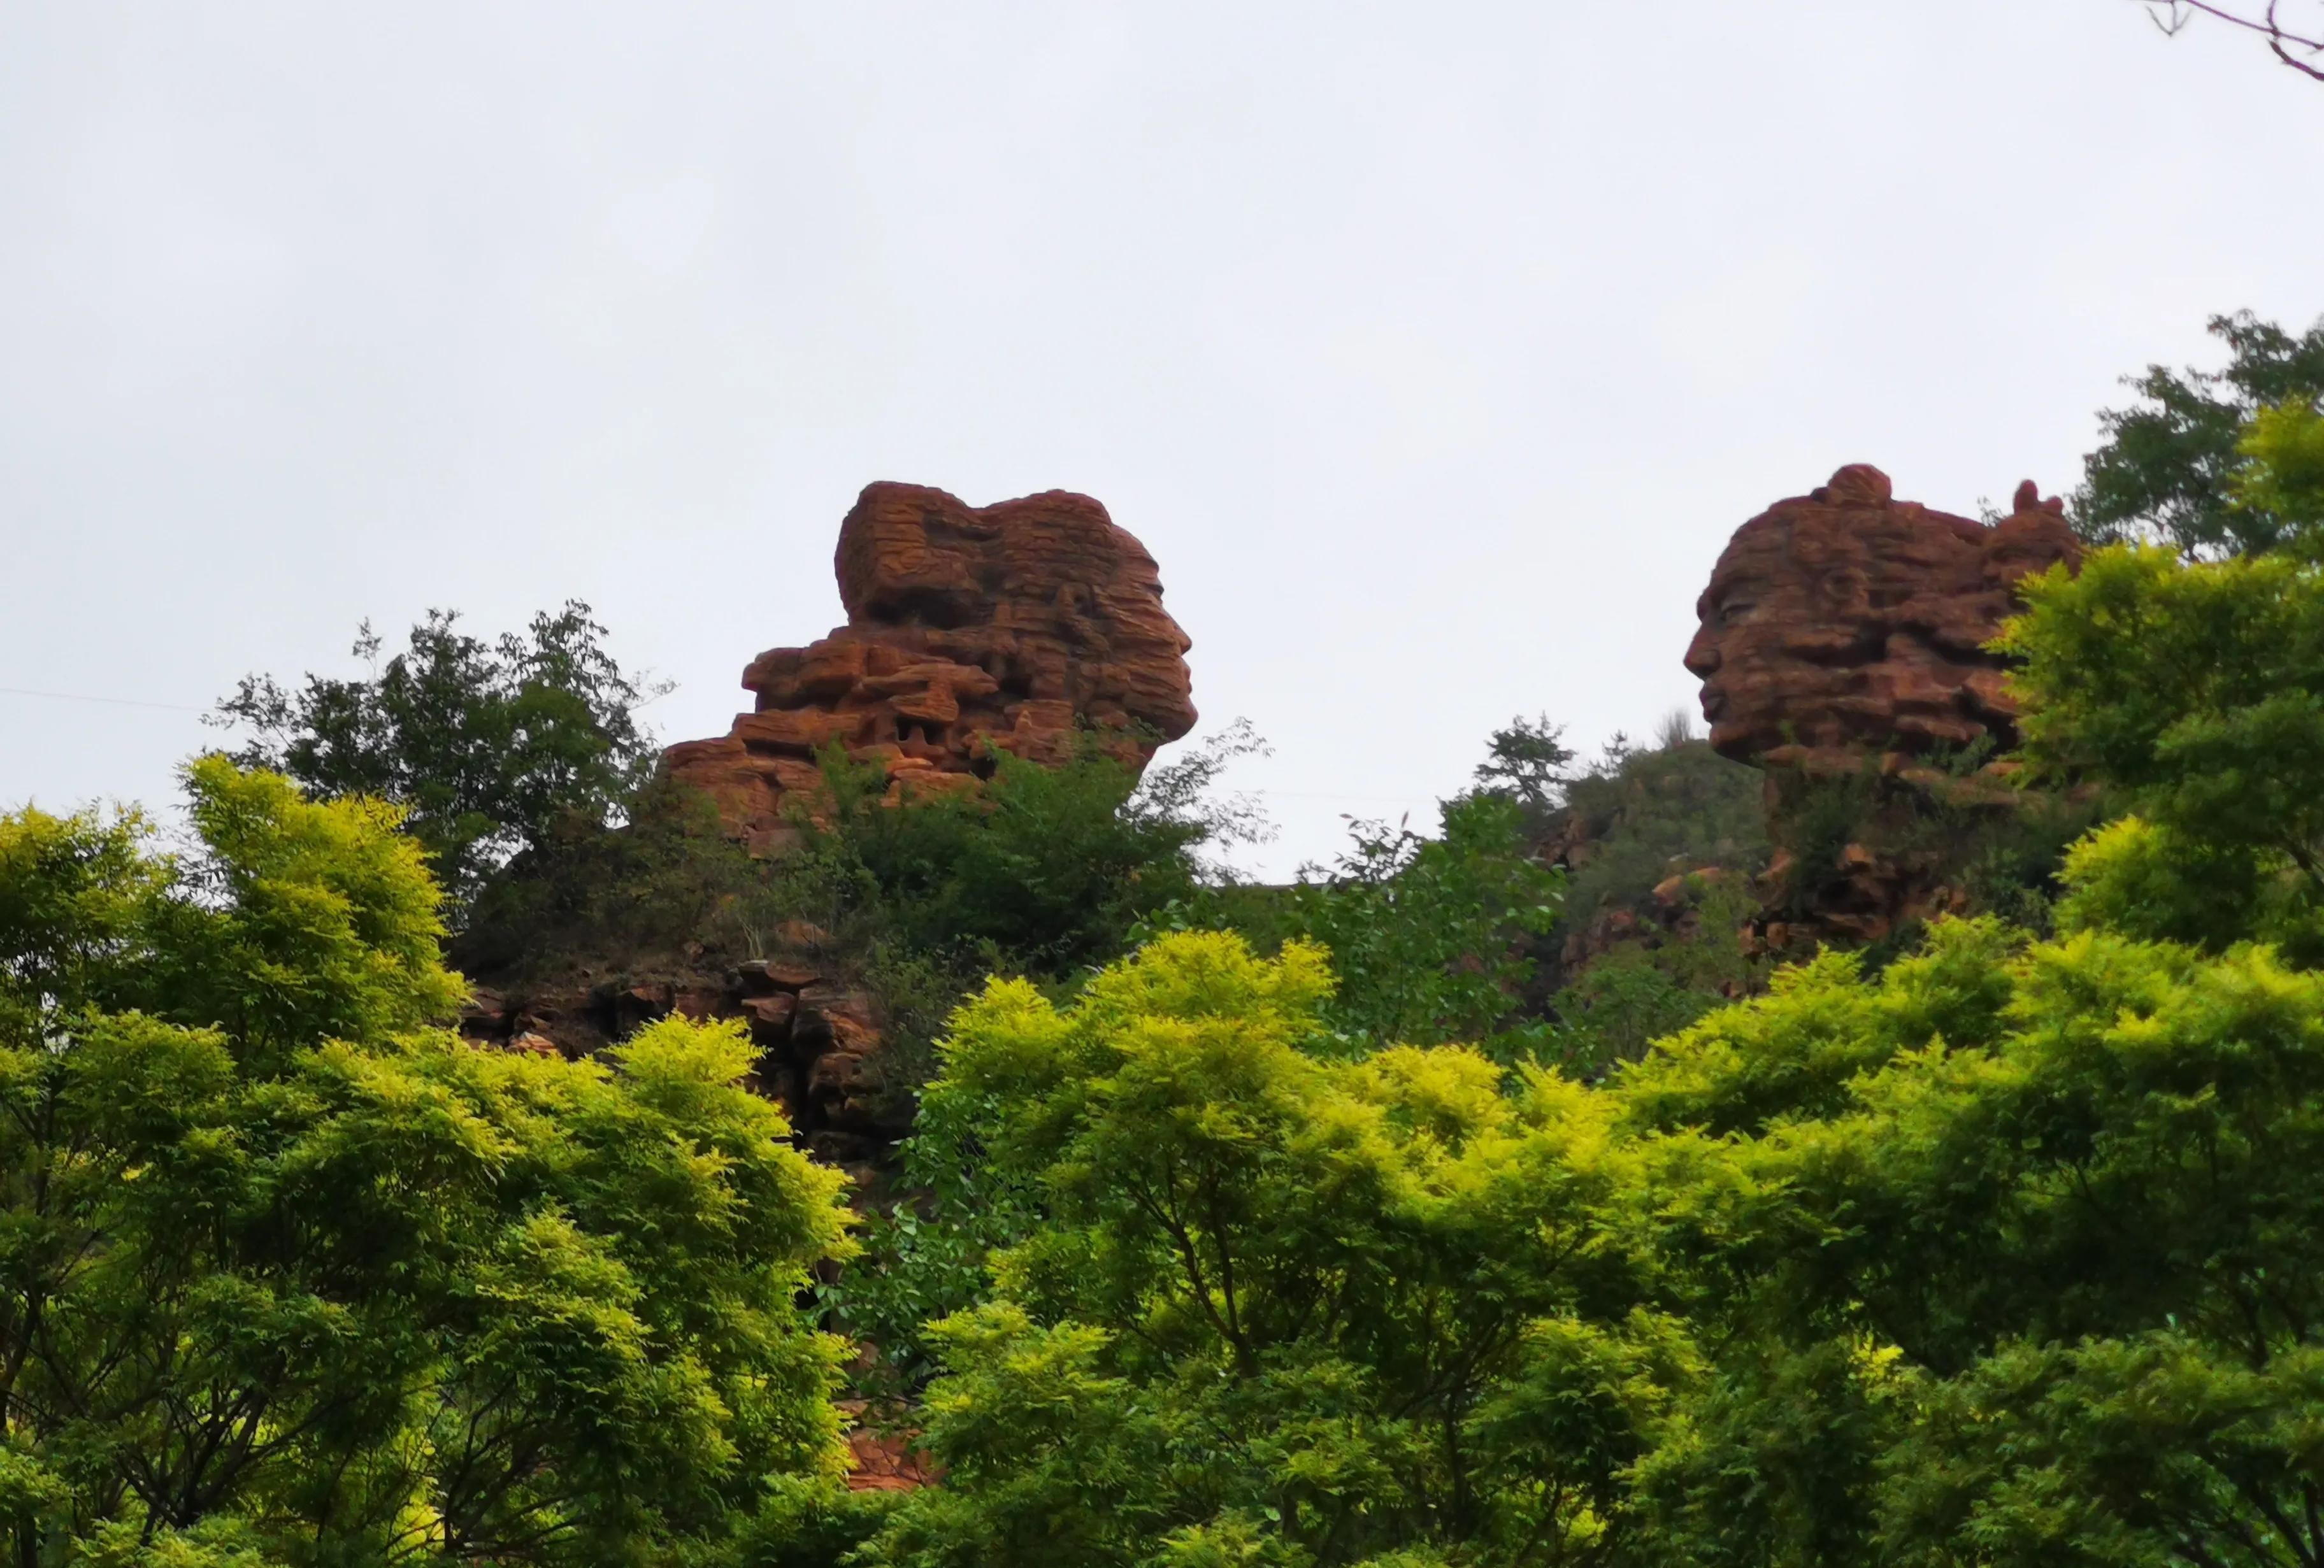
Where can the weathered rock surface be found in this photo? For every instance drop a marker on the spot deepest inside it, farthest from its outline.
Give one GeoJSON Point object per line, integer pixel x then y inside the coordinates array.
{"type": "Point", "coordinates": [1015, 626]}
{"type": "Point", "coordinates": [883, 1460]}
{"type": "Point", "coordinates": [1841, 650]}
{"type": "Point", "coordinates": [821, 1038]}
{"type": "Point", "coordinates": [1845, 622]}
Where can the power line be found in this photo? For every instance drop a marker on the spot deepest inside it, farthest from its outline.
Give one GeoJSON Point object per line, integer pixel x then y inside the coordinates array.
{"type": "Point", "coordinates": [112, 701]}
{"type": "Point", "coordinates": [1315, 796]}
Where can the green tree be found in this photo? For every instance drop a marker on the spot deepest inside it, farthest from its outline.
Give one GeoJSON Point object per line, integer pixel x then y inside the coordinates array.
{"type": "Point", "coordinates": [2166, 469]}
{"type": "Point", "coordinates": [1047, 870]}
{"type": "Point", "coordinates": [2011, 1256]}
{"type": "Point", "coordinates": [2196, 691]}
{"type": "Point", "coordinates": [1282, 1308]}
{"type": "Point", "coordinates": [488, 746]}
{"type": "Point", "coordinates": [1428, 937]}
{"type": "Point", "coordinates": [2282, 472]}
{"type": "Point", "coordinates": [291, 1275]}
{"type": "Point", "coordinates": [1529, 762]}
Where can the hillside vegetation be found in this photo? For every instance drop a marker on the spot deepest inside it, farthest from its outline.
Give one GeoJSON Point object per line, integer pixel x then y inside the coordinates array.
{"type": "Point", "coordinates": [1496, 1196]}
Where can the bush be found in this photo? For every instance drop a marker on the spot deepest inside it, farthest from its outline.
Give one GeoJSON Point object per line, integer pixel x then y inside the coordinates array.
{"type": "Point", "coordinates": [1639, 816]}
{"type": "Point", "coordinates": [669, 876]}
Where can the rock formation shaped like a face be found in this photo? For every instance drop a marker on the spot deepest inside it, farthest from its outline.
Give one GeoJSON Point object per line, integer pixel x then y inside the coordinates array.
{"type": "Point", "coordinates": [968, 628]}
{"type": "Point", "coordinates": [1845, 623]}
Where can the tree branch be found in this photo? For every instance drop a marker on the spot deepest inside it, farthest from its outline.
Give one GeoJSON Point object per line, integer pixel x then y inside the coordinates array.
{"type": "Point", "coordinates": [2172, 15]}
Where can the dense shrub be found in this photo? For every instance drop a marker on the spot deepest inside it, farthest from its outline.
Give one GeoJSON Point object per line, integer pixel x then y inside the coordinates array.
{"type": "Point", "coordinates": [1047, 870]}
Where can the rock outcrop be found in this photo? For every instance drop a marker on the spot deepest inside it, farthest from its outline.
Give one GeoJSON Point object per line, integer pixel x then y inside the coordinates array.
{"type": "Point", "coordinates": [1842, 651]}
{"type": "Point", "coordinates": [821, 1038]}
{"type": "Point", "coordinates": [1019, 626]}
{"type": "Point", "coordinates": [1845, 622]}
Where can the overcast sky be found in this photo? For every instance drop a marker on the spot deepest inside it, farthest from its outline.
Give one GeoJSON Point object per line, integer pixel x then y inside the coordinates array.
{"type": "Point", "coordinates": [1433, 350]}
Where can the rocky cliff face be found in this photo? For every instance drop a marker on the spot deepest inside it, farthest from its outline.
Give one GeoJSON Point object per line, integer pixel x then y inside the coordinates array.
{"type": "Point", "coordinates": [1016, 625]}
{"type": "Point", "coordinates": [1841, 649]}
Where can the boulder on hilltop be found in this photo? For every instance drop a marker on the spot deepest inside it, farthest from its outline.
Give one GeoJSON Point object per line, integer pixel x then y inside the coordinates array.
{"type": "Point", "coordinates": [1019, 626]}
{"type": "Point", "coordinates": [1842, 651]}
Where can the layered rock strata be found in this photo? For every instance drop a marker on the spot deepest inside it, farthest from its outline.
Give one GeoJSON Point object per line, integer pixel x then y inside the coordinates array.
{"type": "Point", "coordinates": [1842, 648]}
{"type": "Point", "coordinates": [1021, 626]}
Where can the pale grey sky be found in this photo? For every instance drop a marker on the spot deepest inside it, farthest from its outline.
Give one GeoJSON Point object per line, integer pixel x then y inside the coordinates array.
{"type": "Point", "coordinates": [1433, 350]}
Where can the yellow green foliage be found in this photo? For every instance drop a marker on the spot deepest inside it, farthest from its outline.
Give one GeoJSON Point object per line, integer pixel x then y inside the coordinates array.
{"type": "Point", "coordinates": [2012, 1254]}
{"type": "Point", "coordinates": [2195, 694]}
{"type": "Point", "coordinates": [289, 1274]}
{"type": "Point", "coordinates": [2282, 467]}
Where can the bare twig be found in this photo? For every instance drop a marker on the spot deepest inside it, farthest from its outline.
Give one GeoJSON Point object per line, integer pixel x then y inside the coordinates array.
{"type": "Point", "coordinates": [2172, 16]}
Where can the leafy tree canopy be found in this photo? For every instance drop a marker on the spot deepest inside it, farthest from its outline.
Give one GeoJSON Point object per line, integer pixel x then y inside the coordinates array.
{"type": "Point", "coordinates": [1285, 1308]}
{"type": "Point", "coordinates": [2167, 470]}
{"type": "Point", "coordinates": [487, 747]}
{"type": "Point", "coordinates": [1427, 935]}
{"type": "Point", "coordinates": [2197, 690]}
{"type": "Point", "coordinates": [1529, 762]}
{"type": "Point", "coordinates": [2010, 1255]}
{"type": "Point", "coordinates": [288, 1276]}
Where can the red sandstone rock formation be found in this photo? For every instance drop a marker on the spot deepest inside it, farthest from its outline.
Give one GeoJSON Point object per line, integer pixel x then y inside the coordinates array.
{"type": "Point", "coordinates": [1842, 640]}
{"type": "Point", "coordinates": [1844, 622]}
{"type": "Point", "coordinates": [968, 628]}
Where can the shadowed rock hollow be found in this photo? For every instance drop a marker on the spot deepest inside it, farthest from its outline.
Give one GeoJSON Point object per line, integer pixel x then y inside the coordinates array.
{"type": "Point", "coordinates": [1017, 625]}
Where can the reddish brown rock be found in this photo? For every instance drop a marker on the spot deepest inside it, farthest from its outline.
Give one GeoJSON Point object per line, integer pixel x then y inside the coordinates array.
{"type": "Point", "coordinates": [968, 628]}
{"type": "Point", "coordinates": [770, 1015]}
{"type": "Point", "coordinates": [883, 1459]}
{"type": "Point", "coordinates": [1842, 650]}
{"type": "Point", "coordinates": [1845, 622]}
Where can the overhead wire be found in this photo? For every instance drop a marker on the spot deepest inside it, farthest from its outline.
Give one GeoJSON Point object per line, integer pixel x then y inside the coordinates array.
{"type": "Point", "coordinates": [112, 701]}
